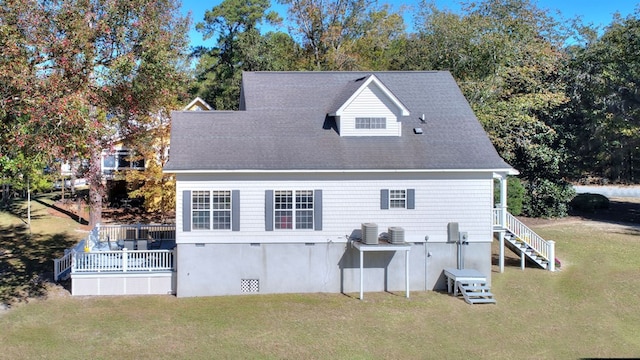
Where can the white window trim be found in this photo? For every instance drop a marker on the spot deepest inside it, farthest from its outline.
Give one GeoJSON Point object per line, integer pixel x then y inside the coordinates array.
{"type": "Point", "coordinates": [402, 198]}
{"type": "Point", "coordinates": [211, 210]}
{"type": "Point", "coordinates": [294, 210]}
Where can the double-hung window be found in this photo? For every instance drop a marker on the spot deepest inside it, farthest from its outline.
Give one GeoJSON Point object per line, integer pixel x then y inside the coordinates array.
{"type": "Point", "coordinates": [293, 209]}
{"type": "Point", "coordinates": [211, 210]}
{"type": "Point", "coordinates": [201, 210]}
{"type": "Point", "coordinates": [397, 199]}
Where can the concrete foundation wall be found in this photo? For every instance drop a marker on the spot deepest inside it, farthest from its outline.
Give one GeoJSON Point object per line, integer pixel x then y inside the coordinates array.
{"type": "Point", "coordinates": [124, 284]}
{"type": "Point", "coordinates": [224, 269]}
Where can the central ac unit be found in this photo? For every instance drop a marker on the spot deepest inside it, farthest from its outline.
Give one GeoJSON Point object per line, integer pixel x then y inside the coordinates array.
{"type": "Point", "coordinates": [370, 233]}
{"type": "Point", "coordinates": [396, 235]}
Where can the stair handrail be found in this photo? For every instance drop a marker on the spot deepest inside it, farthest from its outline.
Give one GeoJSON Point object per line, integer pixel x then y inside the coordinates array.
{"type": "Point", "coordinates": [528, 236]}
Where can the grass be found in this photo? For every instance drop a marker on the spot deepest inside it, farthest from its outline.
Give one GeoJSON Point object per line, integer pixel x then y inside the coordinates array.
{"type": "Point", "coordinates": [589, 309]}
{"type": "Point", "coordinates": [26, 256]}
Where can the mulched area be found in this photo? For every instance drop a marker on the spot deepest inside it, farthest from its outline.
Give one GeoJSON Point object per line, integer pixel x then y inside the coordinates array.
{"type": "Point", "coordinates": [130, 215]}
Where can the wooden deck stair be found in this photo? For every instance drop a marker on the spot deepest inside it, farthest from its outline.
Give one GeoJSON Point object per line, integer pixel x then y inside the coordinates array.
{"type": "Point", "coordinates": [475, 292]}
{"type": "Point", "coordinates": [519, 246]}
{"type": "Point", "coordinates": [470, 284]}
{"type": "Point", "coordinates": [525, 242]}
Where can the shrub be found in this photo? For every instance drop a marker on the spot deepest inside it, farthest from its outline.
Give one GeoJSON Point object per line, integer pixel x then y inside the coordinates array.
{"type": "Point", "coordinates": [515, 195]}
{"type": "Point", "coordinates": [589, 202]}
{"type": "Point", "coordinates": [545, 198]}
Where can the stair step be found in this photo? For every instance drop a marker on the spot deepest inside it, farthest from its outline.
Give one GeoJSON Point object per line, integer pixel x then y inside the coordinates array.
{"type": "Point", "coordinates": [479, 294]}
{"type": "Point", "coordinates": [481, 301]}
{"type": "Point", "coordinates": [475, 288]}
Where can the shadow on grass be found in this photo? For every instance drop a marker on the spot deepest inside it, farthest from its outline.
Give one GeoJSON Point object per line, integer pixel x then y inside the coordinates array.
{"type": "Point", "coordinates": [19, 209]}
{"type": "Point", "coordinates": [620, 212]}
{"type": "Point", "coordinates": [72, 216]}
{"type": "Point", "coordinates": [26, 262]}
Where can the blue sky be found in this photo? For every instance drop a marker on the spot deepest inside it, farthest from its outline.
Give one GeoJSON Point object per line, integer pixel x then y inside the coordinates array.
{"type": "Point", "coordinates": [598, 12]}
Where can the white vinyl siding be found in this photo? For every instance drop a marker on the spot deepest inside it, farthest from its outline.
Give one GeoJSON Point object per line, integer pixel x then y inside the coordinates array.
{"type": "Point", "coordinates": [350, 200]}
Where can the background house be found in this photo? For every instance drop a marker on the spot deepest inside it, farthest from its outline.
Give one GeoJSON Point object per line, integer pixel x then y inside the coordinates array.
{"type": "Point", "coordinates": [271, 198]}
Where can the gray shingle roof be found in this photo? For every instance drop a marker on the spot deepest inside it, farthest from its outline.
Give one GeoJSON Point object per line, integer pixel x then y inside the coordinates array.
{"type": "Point", "coordinates": [285, 127]}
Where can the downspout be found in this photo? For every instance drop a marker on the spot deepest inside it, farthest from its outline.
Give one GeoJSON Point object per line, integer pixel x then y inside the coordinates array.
{"type": "Point", "coordinates": [426, 265]}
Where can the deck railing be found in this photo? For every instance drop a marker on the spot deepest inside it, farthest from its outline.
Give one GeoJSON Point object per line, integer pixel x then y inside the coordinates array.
{"type": "Point", "coordinates": [63, 265]}
{"type": "Point", "coordinates": [82, 258]}
{"type": "Point", "coordinates": [137, 231]}
{"type": "Point", "coordinates": [123, 261]}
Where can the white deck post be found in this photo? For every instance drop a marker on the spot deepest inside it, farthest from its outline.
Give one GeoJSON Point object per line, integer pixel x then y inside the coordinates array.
{"type": "Point", "coordinates": [552, 255]}
{"type": "Point", "coordinates": [124, 259]}
{"type": "Point", "coordinates": [522, 259]}
{"type": "Point", "coordinates": [503, 219]}
{"type": "Point", "coordinates": [406, 272]}
{"type": "Point", "coordinates": [56, 273]}
{"type": "Point", "coordinates": [501, 251]}
{"type": "Point", "coordinates": [361, 275]}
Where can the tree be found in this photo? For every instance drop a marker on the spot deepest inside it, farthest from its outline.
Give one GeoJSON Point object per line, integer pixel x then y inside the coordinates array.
{"type": "Point", "coordinates": [343, 35]}
{"type": "Point", "coordinates": [507, 57]}
{"type": "Point", "coordinates": [152, 184]}
{"type": "Point", "coordinates": [603, 117]}
{"type": "Point", "coordinates": [99, 68]}
{"type": "Point", "coordinates": [239, 47]}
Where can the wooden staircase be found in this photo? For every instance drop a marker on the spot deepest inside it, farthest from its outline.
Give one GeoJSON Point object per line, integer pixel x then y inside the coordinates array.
{"type": "Point", "coordinates": [475, 292]}
{"type": "Point", "coordinates": [525, 242]}
{"type": "Point", "coordinates": [469, 283]}
{"type": "Point", "coordinates": [520, 247]}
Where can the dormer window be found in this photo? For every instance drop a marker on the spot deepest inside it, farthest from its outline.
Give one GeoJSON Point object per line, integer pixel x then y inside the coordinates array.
{"type": "Point", "coordinates": [371, 123]}
{"type": "Point", "coordinates": [366, 107]}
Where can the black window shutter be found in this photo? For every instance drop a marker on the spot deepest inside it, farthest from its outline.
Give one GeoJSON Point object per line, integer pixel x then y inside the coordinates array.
{"type": "Point", "coordinates": [268, 210]}
{"type": "Point", "coordinates": [384, 199]}
{"type": "Point", "coordinates": [186, 210]}
{"type": "Point", "coordinates": [411, 198]}
{"type": "Point", "coordinates": [317, 210]}
{"type": "Point", "coordinates": [235, 210]}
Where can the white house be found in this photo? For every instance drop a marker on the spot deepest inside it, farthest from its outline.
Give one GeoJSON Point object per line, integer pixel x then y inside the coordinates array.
{"type": "Point", "coordinates": [272, 198]}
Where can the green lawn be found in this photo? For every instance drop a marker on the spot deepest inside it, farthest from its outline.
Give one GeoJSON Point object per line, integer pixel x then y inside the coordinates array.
{"type": "Point", "coordinates": [26, 256]}
{"type": "Point", "coordinates": [588, 309]}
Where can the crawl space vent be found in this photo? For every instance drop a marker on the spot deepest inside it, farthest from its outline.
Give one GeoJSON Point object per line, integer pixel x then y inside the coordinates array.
{"type": "Point", "coordinates": [250, 285]}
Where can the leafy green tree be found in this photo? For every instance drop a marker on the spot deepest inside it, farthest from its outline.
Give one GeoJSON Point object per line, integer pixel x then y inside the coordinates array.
{"type": "Point", "coordinates": [343, 35]}
{"type": "Point", "coordinates": [507, 57]}
{"type": "Point", "coordinates": [239, 47]}
{"type": "Point", "coordinates": [603, 118]}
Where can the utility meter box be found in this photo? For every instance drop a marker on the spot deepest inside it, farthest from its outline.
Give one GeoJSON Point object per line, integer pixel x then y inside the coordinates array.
{"type": "Point", "coordinates": [453, 232]}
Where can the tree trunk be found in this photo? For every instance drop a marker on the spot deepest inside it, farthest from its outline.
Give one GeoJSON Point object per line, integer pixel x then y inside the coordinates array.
{"type": "Point", "coordinates": [96, 189]}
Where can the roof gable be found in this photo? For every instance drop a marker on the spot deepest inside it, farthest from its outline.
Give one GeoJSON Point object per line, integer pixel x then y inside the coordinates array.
{"type": "Point", "coordinates": [197, 104]}
{"type": "Point", "coordinates": [355, 88]}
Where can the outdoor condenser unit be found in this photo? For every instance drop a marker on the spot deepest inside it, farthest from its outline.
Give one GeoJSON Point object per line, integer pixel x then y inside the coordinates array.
{"type": "Point", "coordinates": [396, 235]}
{"type": "Point", "coordinates": [370, 233]}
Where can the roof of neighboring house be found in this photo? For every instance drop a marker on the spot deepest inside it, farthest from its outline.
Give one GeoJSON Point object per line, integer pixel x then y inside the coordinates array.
{"type": "Point", "coordinates": [286, 127]}
{"type": "Point", "coordinates": [197, 104]}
